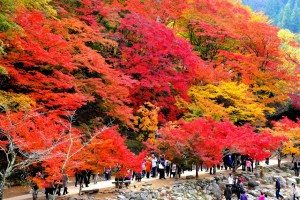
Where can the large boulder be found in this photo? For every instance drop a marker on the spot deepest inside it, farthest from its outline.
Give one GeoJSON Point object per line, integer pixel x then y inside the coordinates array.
{"type": "Point", "coordinates": [215, 190]}
{"type": "Point", "coordinates": [121, 197]}
{"type": "Point", "coordinates": [270, 193]}
{"type": "Point", "coordinates": [290, 181]}
{"type": "Point", "coordinates": [252, 183]}
{"type": "Point", "coordinates": [254, 193]}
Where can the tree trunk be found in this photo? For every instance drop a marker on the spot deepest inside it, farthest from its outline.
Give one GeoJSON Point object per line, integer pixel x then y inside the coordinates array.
{"type": "Point", "coordinates": [197, 169]}
{"type": "Point", "coordinates": [293, 158]}
{"type": "Point", "coordinates": [2, 184]}
{"type": "Point", "coordinates": [279, 161]}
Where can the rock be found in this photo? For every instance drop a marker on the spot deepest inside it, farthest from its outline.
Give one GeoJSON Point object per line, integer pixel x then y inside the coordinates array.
{"type": "Point", "coordinates": [192, 191]}
{"type": "Point", "coordinates": [215, 190]}
{"type": "Point", "coordinates": [121, 197]}
{"type": "Point", "coordinates": [163, 192]}
{"type": "Point", "coordinates": [253, 183]}
{"type": "Point", "coordinates": [290, 181]}
{"type": "Point", "coordinates": [208, 197]}
{"type": "Point", "coordinates": [270, 193]}
{"type": "Point", "coordinates": [144, 195]}
{"type": "Point", "coordinates": [254, 193]}
{"type": "Point", "coordinates": [247, 177]}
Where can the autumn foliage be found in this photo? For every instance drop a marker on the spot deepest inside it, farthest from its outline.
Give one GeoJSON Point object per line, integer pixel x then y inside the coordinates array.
{"type": "Point", "coordinates": [207, 140]}
{"type": "Point", "coordinates": [196, 78]}
{"type": "Point", "coordinates": [291, 130]}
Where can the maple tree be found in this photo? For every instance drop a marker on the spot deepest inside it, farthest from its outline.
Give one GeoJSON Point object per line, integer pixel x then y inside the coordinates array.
{"type": "Point", "coordinates": [242, 47]}
{"type": "Point", "coordinates": [291, 131]}
{"type": "Point", "coordinates": [17, 145]}
{"type": "Point", "coordinates": [52, 62]}
{"type": "Point", "coordinates": [163, 64]}
{"type": "Point", "coordinates": [205, 140]}
{"type": "Point", "coordinates": [59, 147]}
{"type": "Point", "coordinates": [146, 121]}
{"type": "Point", "coordinates": [291, 61]}
{"type": "Point", "coordinates": [141, 64]}
{"type": "Point", "coordinates": [225, 100]}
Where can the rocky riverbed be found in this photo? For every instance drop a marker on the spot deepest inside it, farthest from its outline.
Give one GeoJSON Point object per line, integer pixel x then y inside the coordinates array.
{"type": "Point", "coordinates": [212, 187]}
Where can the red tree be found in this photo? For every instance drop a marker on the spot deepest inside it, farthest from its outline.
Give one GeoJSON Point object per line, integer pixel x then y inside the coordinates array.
{"type": "Point", "coordinates": [163, 64]}
{"type": "Point", "coordinates": [205, 140]}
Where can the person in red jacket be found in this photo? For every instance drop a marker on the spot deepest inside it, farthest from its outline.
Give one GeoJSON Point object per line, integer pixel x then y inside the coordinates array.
{"type": "Point", "coordinates": [148, 167]}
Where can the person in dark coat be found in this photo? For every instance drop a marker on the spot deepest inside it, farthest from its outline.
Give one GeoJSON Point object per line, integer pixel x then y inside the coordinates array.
{"type": "Point", "coordinates": [85, 178]}
{"type": "Point", "coordinates": [161, 168]}
{"type": "Point", "coordinates": [77, 177]}
{"type": "Point", "coordinates": [168, 167]}
{"type": "Point", "coordinates": [244, 196]}
{"type": "Point", "coordinates": [49, 189]}
{"type": "Point", "coordinates": [35, 191]}
{"type": "Point", "coordinates": [228, 192]}
{"type": "Point", "coordinates": [179, 170]}
{"type": "Point", "coordinates": [278, 187]}
{"type": "Point", "coordinates": [296, 168]}
{"type": "Point", "coordinates": [57, 187]}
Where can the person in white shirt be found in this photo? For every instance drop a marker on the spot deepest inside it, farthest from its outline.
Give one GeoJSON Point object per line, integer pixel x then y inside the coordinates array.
{"type": "Point", "coordinates": [230, 179]}
{"type": "Point", "coordinates": [295, 191]}
{"type": "Point", "coordinates": [154, 166]}
{"type": "Point", "coordinates": [173, 170]}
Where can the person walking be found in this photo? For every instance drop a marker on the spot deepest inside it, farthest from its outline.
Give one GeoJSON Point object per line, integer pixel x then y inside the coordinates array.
{"type": "Point", "coordinates": [65, 180]}
{"type": "Point", "coordinates": [244, 196]}
{"type": "Point", "coordinates": [295, 192]}
{"type": "Point", "coordinates": [143, 169]}
{"type": "Point", "coordinates": [179, 170]}
{"type": "Point", "coordinates": [173, 170]}
{"type": "Point", "coordinates": [262, 196]}
{"type": "Point", "coordinates": [96, 177]}
{"type": "Point", "coordinates": [77, 177]}
{"type": "Point", "coordinates": [248, 165]}
{"type": "Point", "coordinates": [230, 180]}
{"type": "Point", "coordinates": [228, 192]}
{"type": "Point", "coordinates": [35, 191]}
{"type": "Point", "coordinates": [168, 167]}
{"type": "Point", "coordinates": [107, 174]}
{"type": "Point", "coordinates": [154, 166]}
{"type": "Point", "coordinates": [296, 168]}
{"type": "Point", "coordinates": [238, 188]}
{"type": "Point", "coordinates": [161, 167]}
{"type": "Point", "coordinates": [161, 170]}
{"type": "Point", "coordinates": [278, 187]}
{"type": "Point", "coordinates": [148, 167]}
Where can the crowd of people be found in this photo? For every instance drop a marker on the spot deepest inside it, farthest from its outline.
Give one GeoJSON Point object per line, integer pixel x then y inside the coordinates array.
{"type": "Point", "coordinates": [51, 188]}
{"type": "Point", "coordinates": [158, 166]}
{"type": "Point", "coordinates": [235, 187]}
